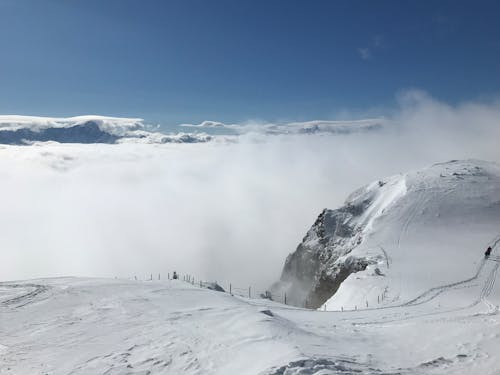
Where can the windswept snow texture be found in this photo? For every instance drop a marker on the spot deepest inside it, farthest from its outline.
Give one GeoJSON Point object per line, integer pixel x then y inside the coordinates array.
{"type": "Point", "coordinates": [19, 130]}
{"type": "Point", "coordinates": [397, 238]}
{"type": "Point", "coordinates": [425, 232]}
{"type": "Point", "coordinates": [104, 326]}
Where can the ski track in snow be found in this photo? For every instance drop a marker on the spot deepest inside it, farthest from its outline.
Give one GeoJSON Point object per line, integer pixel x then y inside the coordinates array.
{"type": "Point", "coordinates": [434, 292]}
{"type": "Point", "coordinates": [30, 292]}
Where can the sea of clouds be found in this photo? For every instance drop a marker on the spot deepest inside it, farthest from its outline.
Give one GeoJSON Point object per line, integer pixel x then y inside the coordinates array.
{"type": "Point", "coordinates": [229, 209]}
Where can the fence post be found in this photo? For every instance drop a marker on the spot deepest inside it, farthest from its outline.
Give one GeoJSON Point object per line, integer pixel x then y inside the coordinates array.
{"type": "Point", "coordinates": [249, 292]}
{"type": "Point", "coordinates": [230, 289]}
{"type": "Point", "coordinates": [151, 278]}
{"type": "Point", "coordinates": [355, 307]}
{"type": "Point", "coordinates": [285, 298]}
{"type": "Point", "coordinates": [159, 277]}
{"type": "Point", "coordinates": [200, 283]}
{"type": "Point", "coordinates": [342, 308]}
{"type": "Point", "coordinates": [135, 277]}
{"type": "Point", "coordinates": [366, 303]}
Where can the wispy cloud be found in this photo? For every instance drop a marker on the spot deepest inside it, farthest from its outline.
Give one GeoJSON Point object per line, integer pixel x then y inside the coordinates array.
{"type": "Point", "coordinates": [365, 53]}
{"type": "Point", "coordinates": [378, 41]}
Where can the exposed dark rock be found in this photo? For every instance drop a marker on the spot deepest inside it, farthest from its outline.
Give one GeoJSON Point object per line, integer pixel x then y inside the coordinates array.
{"type": "Point", "coordinates": [313, 273]}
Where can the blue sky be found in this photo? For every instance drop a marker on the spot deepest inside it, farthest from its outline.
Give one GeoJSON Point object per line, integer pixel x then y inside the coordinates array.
{"type": "Point", "coordinates": [191, 60]}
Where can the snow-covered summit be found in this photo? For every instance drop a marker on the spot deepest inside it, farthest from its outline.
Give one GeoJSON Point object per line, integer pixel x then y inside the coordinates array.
{"type": "Point", "coordinates": [396, 237]}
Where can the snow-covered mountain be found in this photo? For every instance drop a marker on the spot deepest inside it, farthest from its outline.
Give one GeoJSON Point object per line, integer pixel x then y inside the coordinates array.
{"type": "Point", "coordinates": [424, 299]}
{"type": "Point", "coordinates": [396, 237]}
{"type": "Point", "coordinates": [18, 130]}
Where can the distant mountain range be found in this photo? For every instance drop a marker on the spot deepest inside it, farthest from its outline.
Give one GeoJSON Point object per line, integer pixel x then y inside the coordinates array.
{"type": "Point", "coordinates": [21, 130]}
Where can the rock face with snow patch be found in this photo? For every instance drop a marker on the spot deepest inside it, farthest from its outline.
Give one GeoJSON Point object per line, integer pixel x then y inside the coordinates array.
{"type": "Point", "coordinates": [314, 272]}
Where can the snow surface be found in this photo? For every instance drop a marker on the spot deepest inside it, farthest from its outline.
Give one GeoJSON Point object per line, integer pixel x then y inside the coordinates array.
{"type": "Point", "coordinates": [439, 313]}
{"type": "Point", "coordinates": [426, 228]}
{"type": "Point", "coordinates": [103, 326]}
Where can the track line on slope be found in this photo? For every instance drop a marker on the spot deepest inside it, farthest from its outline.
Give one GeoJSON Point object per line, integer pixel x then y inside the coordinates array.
{"type": "Point", "coordinates": [485, 291]}
{"type": "Point", "coordinates": [26, 298]}
{"type": "Point", "coordinates": [435, 291]}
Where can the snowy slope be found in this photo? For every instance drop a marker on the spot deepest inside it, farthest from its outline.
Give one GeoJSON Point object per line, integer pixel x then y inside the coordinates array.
{"type": "Point", "coordinates": [97, 326]}
{"type": "Point", "coordinates": [439, 313]}
{"type": "Point", "coordinates": [397, 237]}
{"type": "Point", "coordinates": [433, 234]}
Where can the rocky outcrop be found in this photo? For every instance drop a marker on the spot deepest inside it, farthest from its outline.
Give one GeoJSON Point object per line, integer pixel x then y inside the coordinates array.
{"type": "Point", "coordinates": [322, 261]}
{"type": "Point", "coordinates": [313, 273]}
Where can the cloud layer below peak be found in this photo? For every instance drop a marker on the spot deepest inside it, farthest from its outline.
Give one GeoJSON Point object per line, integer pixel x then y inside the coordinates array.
{"type": "Point", "coordinates": [225, 211]}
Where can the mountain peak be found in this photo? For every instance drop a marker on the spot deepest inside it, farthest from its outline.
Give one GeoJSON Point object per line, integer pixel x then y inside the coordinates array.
{"type": "Point", "coordinates": [419, 220]}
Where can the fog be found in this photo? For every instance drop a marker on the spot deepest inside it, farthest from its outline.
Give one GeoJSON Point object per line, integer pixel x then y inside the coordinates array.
{"type": "Point", "coordinates": [225, 211]}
